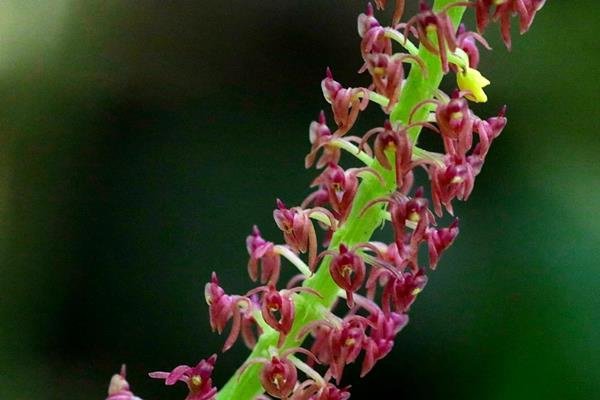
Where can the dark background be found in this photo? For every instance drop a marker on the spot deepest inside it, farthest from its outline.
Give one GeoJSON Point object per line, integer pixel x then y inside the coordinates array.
{"type": "Point", "coordinates": [140, 140]}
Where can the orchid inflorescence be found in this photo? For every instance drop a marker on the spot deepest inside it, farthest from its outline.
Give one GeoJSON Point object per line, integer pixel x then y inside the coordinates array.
{"type": "Point", "coordinates": [376, 281]}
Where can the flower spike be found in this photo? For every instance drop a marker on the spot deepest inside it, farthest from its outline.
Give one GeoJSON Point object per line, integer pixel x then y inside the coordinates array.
{"type": "Point", "coordinates": [379, 281]}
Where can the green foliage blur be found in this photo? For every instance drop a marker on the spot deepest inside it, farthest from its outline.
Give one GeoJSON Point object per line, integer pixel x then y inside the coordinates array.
{"type": "Point", "coordinates": [140, 140]}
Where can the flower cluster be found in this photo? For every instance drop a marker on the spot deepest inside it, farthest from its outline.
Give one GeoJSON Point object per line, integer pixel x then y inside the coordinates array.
{"type": "Point", "coordinates": [377, 281]}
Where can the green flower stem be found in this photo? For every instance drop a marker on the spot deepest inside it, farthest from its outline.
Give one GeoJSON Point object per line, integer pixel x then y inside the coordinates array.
{"type": "Point", "coordinates": [359, 226]}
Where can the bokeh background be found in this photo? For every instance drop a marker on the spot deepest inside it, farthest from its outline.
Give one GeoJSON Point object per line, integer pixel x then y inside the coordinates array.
{"type": "Point", "coordinates": [140, 140]}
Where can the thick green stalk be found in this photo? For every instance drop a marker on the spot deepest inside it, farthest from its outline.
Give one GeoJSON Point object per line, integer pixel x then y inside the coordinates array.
{"type": "Point", "coordinates": [357, 228]}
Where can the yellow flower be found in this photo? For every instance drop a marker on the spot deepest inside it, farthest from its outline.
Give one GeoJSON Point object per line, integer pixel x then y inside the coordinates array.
{"type": "Point", "coordinates": [472, 82]}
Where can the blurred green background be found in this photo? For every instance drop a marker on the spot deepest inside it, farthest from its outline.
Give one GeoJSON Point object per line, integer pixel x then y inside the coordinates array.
{"type": "Point", "coordinates": [140, 140]}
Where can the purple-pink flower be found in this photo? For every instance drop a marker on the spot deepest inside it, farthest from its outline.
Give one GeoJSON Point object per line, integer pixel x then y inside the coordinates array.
{"type": "Point", "coordinates": [198, 378]}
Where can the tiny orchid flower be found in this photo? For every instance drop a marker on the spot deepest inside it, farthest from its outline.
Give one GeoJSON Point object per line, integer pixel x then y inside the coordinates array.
{"type": "Point", "coordinates": [488, 130]}
{"type": "Point", "coordinates": [429, 22]}
{"type": "Point", "coordinates": [198, 378]}
{"type": "Point", "coordinates": [526, 9]}
{"type": "Point", "coordinates": [346, 103]}
{"type": "Point", "coordinates": [261, 250]}
{"type": "Point", "coordinates": [401, 290]}
{"type": "Point", "coordinates": [337, 342]}
{"type": "Point", "coordinates": [439, 240]}
{"type": "Point", "coordinates": [348, 271]}
{"type": "Point", "coordinates": [341, 187]}
{"type": "Point", "coordinates": [279, 377]}
{"type": "Point", "coordinates": [277, 308]}
{"type": "Point", "coordinates": [118, 389]}
{"type": "Point", "coordinates": [223, 307]}
{"type": "Point", "coordinates": [455, 121]}
{"type": "Point", "coordinates": [466, 41]}
{"type": "Point", "coordinates": [346, 343]}
{"type": "Point", "coordinates": [472, 82]}
{"type": "Point", "coordinates": [298, 231]}
{"type": "Point", "coordinates": [319, 136]}
{"type": "Point", "coordinates": [414, 211]}
{"type": "Point", "coordinates": [381, 339]}
{"type": "Point", "coordinates": [374, 39]}
{"type": "Point", "coordinates": [454, 180]}
{"type": "Point", "coordinates": [219, 304]}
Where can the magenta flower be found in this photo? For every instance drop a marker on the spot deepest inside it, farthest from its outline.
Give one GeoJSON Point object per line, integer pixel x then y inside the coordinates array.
{"type": "Point", "coordinates": [198, 378]}
{"type": "Point", "coordinates": [402, 289]}
{"type": "Point", "coordinates": [279, 377]}
{"type": "Point", "coordinates": [223, 307]}
{"type": "Point", "coordinates": [346, 103]}
{"type": "Point", "coordinates": [466, 41]}
{"type": "Point", "coordinates": [381, 339]}
{"type": "Point", "coordinates": [262, 251]}
{"type": "Point", "coordinates": [340, 187]}
{"type": "Point", "coordinates": [427, 21]}
{"type": "Point", "coordinates": [298, 231]}
{"type": "Point", "coordinates": [348, 271]}
{"type": "Point", "coordinates": [374, 40]}
{"type": "Point", "coordinates": [455, 121]}
{"type": "Point", "coordinates": [277, 308]}
{"type": "Point", "coordinates": [454, 180]}
{"type": "Point", "coordinates": [439, 240]}
{"type": "Point", "coordinates": [320, 137]}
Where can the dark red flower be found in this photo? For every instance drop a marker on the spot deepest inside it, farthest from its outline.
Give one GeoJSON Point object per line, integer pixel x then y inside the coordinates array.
{"type": "Point", "coordinates": [261, 250]}
{"type": "Point", "coordinates": [348, 271]}
{"type": "Point", "coordinates": [387, 72]}
{"type": "Point", "coordinates": [298, 231]}
{"type": "Point", "coordinates": [345, 344]}
{"type": "Point", "coordinates": [380, 342]}
{"type": "Point", "coordinates": [525, 9]}
{"type": "Point", "coordinates": [319, 136]}
{"type": "Point", "coordinates": [406, 211]}
{"type": "Point", "coordinates": [453, 180]}
{"type": "Point", "coordinates": [439, 240]}
{"type": "Point", "coordinates": [279, 377]}
{"type": "Point", "coordinates": [455, 121]}
{"type": "Point", "coordinates": [402, 289]}
{"type": "Point", "coordinates": [223, 307]}
{"type": "Point", "coordinates": [488, 130]}
{"type": "Point", "coordinates": [439, 24]}
{"type": "Point", "coordinates": [466, 41]}
{"type": "Point", "coordinates": [374, 39]}
{"type": "Point", "coordinates": [346, 103]}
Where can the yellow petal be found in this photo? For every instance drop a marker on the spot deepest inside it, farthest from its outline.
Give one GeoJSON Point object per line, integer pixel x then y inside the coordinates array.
{"type": "Point", "coordinates": [471, 81]}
